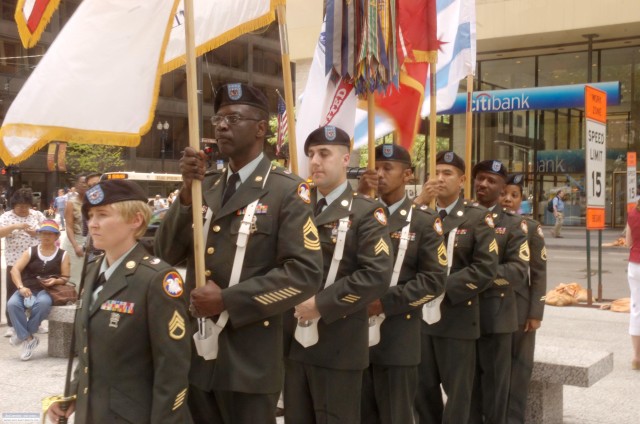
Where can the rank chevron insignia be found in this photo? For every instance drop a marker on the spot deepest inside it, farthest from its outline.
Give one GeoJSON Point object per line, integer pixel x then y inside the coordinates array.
{"type": "Point", "coordinates": [543, 254]}
{"type": "Point", "coordinates": [382, 246]}
{"type": "Point", "coordinates": [442, 255]}
{"type": "Point", "coordinates": [176, 326]}
{"type": "Point", "coordinates": [310, 234]}
{"type": "Point", "coordinates": [524, 251]}
{"type": "Point", "coordinates": [493, 247]}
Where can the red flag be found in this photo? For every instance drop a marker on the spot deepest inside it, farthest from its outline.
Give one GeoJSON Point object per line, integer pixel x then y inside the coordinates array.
{"type": "Point", "coordinates": [417, 46]}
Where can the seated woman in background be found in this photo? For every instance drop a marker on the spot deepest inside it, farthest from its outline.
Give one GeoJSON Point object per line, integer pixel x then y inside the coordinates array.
{"type": "Point", "coordinates": [39, 266]}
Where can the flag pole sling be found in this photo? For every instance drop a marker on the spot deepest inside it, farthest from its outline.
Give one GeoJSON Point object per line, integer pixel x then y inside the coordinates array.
{"type": "Point", "coordinates": [468, 138]}
{"type": "Point", "coordinates": [432, 124]}
{"type": "Point", "coordinates": [194, 143]}
{"type": "Point", "coordinates": [288, 86]}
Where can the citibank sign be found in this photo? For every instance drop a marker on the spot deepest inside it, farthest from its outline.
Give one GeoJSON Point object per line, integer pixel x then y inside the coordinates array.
{"type": "Point", "coordinates": [539, 98]}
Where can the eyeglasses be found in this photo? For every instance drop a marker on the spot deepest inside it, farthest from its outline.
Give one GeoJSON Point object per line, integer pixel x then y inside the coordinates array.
{"type": "Point", "coordinates": [230, 119]}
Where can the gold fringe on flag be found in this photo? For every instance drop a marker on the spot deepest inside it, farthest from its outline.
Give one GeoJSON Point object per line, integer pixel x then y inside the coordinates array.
{"type": "Point", "coordinates": [30, 39]}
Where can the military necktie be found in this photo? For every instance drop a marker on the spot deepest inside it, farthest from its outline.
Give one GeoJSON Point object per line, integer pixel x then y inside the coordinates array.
{"type": "Point", "coordinates": [231, 187]}
{"type": "Point", "coordinates": [442, 213]}
{"type": "Point", "coordinates": [319, 206]}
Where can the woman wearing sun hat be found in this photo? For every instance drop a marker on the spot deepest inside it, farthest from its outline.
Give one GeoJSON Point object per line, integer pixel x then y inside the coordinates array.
{"type": "Point", "coordinates": [39, 266]}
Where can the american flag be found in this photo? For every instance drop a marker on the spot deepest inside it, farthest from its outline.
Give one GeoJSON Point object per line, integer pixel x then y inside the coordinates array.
{"type": "Point", "coordinates": [283, 125]}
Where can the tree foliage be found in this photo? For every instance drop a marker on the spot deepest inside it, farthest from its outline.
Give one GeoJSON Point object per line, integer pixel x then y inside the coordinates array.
{"type": "Point", "coordinates": [94, 158]}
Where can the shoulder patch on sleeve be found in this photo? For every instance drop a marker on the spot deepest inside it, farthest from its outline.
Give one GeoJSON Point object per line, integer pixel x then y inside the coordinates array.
{"type": "Point", "coordinates": [172, 284]}
{"type": "Point", "coordinates": [437, 226]}
{"type": "Point", "coordinates": [524, 227]}
{"type": "Point", "coordinates": [304, 192]}
{"type": "Point", "coordinates": [539, 231]}
{"type": "Point", "coordinates": [380, 216]}
{"type": "Point", "coordinates": [489, 220]}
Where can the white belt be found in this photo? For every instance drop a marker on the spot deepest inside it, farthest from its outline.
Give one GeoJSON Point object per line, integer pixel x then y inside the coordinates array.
{"type": "Point", "coordinates": [307, 332]}
{"type": "Point", "coordinates": [376, 321]}
{"type": "Point", "coordinates": [431, 311]}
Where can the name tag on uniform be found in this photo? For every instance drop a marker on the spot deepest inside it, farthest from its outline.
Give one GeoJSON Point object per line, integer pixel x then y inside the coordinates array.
{"type": "Point", "coordinates": [461, 231]}
{"type": "Point", "coordinates": [118, 306]}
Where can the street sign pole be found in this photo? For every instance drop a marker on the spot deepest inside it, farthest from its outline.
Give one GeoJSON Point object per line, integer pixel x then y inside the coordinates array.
{"type": "Point", "coordinates": [595, 102]}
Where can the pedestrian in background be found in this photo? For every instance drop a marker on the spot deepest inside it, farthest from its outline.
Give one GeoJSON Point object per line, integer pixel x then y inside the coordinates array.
{"type": "Point", "coordinates": [633, 240]}
{"type": "Point", "coordinates": [75, 234]}
{"type": "Point", "coordinates": [558, 213]}
{"type": "Point", "coordinates": [59, 205]}
{"type": "Point", "coordinates": [19, 226]}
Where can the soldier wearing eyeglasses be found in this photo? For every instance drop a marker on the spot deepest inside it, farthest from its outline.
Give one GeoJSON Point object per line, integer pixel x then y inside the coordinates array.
{"type": "Point", "coordinates": [282, 263]}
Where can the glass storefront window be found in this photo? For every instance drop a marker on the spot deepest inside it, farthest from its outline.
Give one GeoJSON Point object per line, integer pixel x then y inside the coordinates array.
{"type": "Point", "coordinates": [561, 69]}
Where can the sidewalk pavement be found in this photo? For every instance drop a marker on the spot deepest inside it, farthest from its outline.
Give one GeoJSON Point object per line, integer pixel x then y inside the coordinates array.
{"type": "Point", "coordinates": [613, 400]}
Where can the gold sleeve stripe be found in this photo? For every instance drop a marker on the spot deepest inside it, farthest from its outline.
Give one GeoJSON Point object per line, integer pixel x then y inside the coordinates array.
{"type": "Point", "coordinates": [276, 295]}
{"type": "Point", "coordinates": [179, 400]}
{"type": "Point", "coordinates": [350, 298]}
{"type": "Point", "coordinates": [471, 286]}
{"type": "Point", "coordinates": [442, 255]}
{"type": "Point", "coordinates": [501, 282]}
{"type": "Point", "coordinates": [524, 252]}
{"type": "Point", "coordinates": [422, 300]}
{"type": "Point", "coordinates": [493, 247]}
{"type": "Point", "coordinates": [382, 246]}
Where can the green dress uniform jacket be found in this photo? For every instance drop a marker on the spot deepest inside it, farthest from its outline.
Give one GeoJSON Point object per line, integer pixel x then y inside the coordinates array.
{"type": "Point", "coordinates": [498, 303]}
{"type": "Point", "coordinates": [282, 267]}
{"type": "Point", "coordinates": [363, 276]}
{"type": "Point", "coordinates": [475, 262]}
{"type": "Point", "coordinates": [422, 279]}
{"type": "Point", "coordinates": [133, 345]}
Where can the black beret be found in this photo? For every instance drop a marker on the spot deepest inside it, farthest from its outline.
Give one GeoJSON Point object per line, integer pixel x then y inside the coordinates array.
{"type": "Point", "coordinates": [491, 166]}
{"type": "Point", "coordinates": [327, 135]}
{"type": "Point", "coordinates": [450, 158]}
{"type": "Point", "coordinates": [392, 152]}
{"type": "Point", "coordinates": [515, 179]}
{"type": "Point", "coordinates": [112, 191]}
{"type": "Point", "coordinates": [240, 94]}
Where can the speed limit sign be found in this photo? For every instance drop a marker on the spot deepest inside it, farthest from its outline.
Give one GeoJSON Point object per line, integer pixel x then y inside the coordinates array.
{"type": "Point", "coordinates": [596, 157]}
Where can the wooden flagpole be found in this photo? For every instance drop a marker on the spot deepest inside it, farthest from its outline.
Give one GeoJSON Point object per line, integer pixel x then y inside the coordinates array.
{"type": "Point", "coordinates": [432, 121]}
{"type": "Point", "coordinates": [371, 133]}
{"type": "Point", "coordinates": [288, 86]}
{"type": "Point", "coordinates": [468, 142]}
{"type": "Point", "coordinates": [194, 143]}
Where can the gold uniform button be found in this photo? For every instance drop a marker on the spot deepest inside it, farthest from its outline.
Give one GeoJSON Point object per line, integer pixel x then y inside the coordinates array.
{"type": "Point", "coordinates": [469, 303]}
{"type": "Point", "coordinates": [408, 316]}
{"type": "Point", "coordinates": [86, 390]}
{"type": "Point", "coordinates": [211, 250]}
{"type": "Point", "coordinates": [501, 294]}
{"type": "Point", "coordinates": [266, 323]}
{"type": "Point", "coordinates": [207, 273]}
{"type": "Point", "coordinates": [216, 228]}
